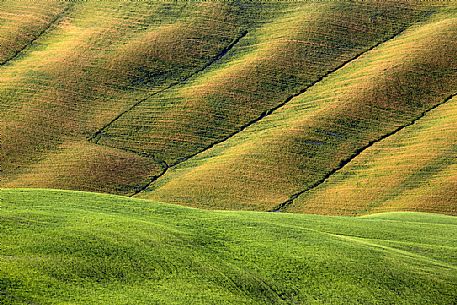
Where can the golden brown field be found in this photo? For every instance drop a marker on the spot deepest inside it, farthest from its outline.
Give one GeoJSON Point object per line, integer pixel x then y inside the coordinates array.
{"type": "Point", "coordinates": [233, 105]}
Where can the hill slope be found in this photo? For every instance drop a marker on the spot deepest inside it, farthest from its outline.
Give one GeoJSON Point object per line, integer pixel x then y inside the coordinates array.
{"type": "Point", "coordinates": [82, 248]}
{"type": "Point", "coordinates": [222, 104]}
{"type": "Point", "coordinates": [412, 170]}
{"type": "Point", "coordinates": [293, 149]}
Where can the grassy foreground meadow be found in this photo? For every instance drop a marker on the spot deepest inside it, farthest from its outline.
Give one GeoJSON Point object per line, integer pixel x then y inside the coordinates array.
{"type": "Point", "coordinates": [64, 247]}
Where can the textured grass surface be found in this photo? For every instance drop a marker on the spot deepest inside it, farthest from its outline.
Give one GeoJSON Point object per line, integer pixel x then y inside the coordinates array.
{"type": "Point", "coordinates": [412, 170]}
{"type": "Point", "coordinates": [298, 145]}
{"type": "Point", "coordinates": [93, 64]}
{"type": "Point", "coordinates": [24, 21]}
{"type": "Point", "coordinates": [83, 165]}
{"type": "Point", "coordinates": [268, 65]}
{"type": "Point", "coordinates": [81, 248]}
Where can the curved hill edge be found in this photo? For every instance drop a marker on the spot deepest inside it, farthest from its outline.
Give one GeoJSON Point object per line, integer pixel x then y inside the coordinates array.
{"type": "Point", "coordinates": [51, 25]}
{"type": "Point", "coordinates": [107, 248]}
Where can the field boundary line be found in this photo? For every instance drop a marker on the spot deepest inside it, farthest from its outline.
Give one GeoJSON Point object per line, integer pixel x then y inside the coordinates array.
{"type": "Point", "coordinates": [163, 165]}
{"type": "Point", "coordinates": [359, 151]}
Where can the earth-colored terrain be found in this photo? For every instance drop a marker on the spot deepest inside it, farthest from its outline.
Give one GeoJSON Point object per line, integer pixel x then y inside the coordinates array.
{"type": "Point", "coordinates": [232, 105]}
{"type": "Point", "coordinates": [277, 152]}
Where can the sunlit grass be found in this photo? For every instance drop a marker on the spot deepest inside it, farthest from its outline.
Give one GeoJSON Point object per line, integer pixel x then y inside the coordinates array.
{"type": "Point", "coordinates": [297, 145]}
{"type": "Point", "coordinates": [413, 170]}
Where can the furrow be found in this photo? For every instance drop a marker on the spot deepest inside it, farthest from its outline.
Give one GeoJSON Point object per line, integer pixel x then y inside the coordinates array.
{"type": "Point", "coordinates": [282, 104]}
{"type": "Point", "coordinates": [162, 164]}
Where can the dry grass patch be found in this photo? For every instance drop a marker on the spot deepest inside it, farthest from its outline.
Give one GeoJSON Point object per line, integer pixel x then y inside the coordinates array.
{"type": "Point", "coordinates": [272, 62]}
{"type": "Point", "coordinates": [22, 22]}
{"type": "Point", "coordinates": [412, 170]}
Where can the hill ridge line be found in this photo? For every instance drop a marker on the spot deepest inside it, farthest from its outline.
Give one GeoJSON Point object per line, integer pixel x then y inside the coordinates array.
{"type": "Point", "coordinates": [97, 135]}
{"type": "Point", "coordinates": [356, 153]}
{"type": "Point", "coordinates": [43, 32]}
{"type": "Point", "coordinates": [287, 100]}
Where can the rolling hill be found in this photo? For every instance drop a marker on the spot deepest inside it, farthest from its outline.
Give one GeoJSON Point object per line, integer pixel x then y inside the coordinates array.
{"type": "Point", "coordinates": [385, 178]}
{"type": "Point", "coordinates": [209, 114]}
{"type": "Point", "coordinates": [295, 148]}
{"type": "Point", "coordinates": [245, 105]}
{"type": "Point", "coordinates": [63, 247]}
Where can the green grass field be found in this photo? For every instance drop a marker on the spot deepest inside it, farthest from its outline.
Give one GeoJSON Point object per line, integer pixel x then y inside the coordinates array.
{"type": "Point", "coordinates": [63, 247]}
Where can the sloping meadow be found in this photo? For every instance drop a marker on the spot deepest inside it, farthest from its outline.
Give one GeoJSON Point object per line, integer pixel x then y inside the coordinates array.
{"type": "Point", "coordinates": [81, 248]}
{"type": "Point", "coordinates": [303, 143]}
